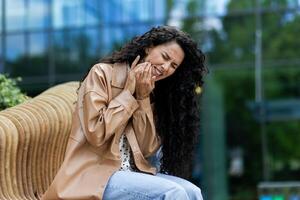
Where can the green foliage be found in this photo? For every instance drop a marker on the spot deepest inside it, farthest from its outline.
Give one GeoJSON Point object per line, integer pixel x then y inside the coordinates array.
{"type": "Point", "coordinates": [10, 94]}
{"type": "Point", "coordinates": [235, 42]}
{"type": "Point", "coordinates": [243, 131]}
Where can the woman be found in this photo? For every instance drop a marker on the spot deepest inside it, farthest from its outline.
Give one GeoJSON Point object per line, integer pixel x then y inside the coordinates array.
{"type": "Point", "coordinates": [114, 133]}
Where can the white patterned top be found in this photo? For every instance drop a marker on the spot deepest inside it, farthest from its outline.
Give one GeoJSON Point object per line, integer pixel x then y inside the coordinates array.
{"type": "Point", "coordinates": [125, 152]}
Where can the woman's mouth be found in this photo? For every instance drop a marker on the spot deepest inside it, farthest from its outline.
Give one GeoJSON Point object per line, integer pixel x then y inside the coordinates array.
{"type": "Point", "coordinates": [156, 72]}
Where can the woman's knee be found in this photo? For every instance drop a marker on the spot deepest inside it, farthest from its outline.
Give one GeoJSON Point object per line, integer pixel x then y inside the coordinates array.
{"type": "Point", "coordinates": [193, 192]}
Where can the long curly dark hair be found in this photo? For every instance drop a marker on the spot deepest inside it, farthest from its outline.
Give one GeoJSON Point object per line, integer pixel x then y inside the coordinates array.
{"type": "Point", "coordinates": [175, 101]}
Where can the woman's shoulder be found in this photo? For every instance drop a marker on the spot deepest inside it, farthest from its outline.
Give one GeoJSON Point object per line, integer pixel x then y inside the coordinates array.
{"type": "Point", "coordinates": [102, 68]}
{"type": "Point", "coordinates": [115, 73]}
{"type": "Point", "coordinates": [109, 68]}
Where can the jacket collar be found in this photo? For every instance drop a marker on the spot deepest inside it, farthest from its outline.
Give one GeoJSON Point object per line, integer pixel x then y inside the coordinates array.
{"type": "Point", "coordinates": [119, 74]}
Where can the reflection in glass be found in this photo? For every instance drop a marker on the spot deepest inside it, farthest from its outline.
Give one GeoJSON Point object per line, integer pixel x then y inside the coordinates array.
{"type": "Point", "coordinates": [95, 48]}
{"type": "Point", "coordinates": [70, 51]}
{"type": "Point", "coordinates": [158, 10]}
{"type": "Point", "coordinates": [93, 10]}
{"type": "Point", "coordinates": [13, 41]}
{"type": "Point", "coordinates": [37, 44]}
{"type": "Point", "coordinates": [68, 13]}
{"type": "Point", "coordinates": [37, 57]}
{"type": "Point", "coordinates": [106, 48]}
{"type": "Point", "coordinates": [15, 15]}
{"type": "Point", "coordinates": [113, 38]}
{"type": "Point", "coordinates": [15, 57]}
{"type": "Point", "coordinates": [38, 15]}
{"type": "Point", "coordinates": [1, 13]}
{"type": "Point", "coordinates": [1, 57]}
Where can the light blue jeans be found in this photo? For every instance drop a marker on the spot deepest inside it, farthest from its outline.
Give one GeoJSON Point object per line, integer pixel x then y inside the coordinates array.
{"type": "Point", "coordinates": [126, 185]}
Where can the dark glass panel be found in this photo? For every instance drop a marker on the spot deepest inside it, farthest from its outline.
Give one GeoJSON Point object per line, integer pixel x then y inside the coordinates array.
{"type": "Point", "coordinates": [16, 59]}
{"type": "Point", "coordinates": [70, 51]}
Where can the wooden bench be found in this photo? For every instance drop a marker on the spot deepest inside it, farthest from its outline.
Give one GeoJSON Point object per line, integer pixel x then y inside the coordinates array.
{"type": "Point", "coordinates": [33, 139]}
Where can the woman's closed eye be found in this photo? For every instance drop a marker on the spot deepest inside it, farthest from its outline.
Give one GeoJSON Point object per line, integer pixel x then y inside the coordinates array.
{"type": "Point", "coordinates": [174, 66]}
{"type": "Point", "coordinates": [165, 56]}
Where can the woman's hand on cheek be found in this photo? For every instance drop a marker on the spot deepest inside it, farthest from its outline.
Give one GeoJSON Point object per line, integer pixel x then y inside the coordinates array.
{"type": "Point", "coordinates": [130, 82]}
{"type": "Point", "coordinates": [144, 81]}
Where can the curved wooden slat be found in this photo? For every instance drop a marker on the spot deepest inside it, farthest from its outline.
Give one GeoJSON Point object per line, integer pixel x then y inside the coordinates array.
{"type": "Point", "coordinates": [33, 140]}
{"type": "Point", "coordinates": [11, 157]}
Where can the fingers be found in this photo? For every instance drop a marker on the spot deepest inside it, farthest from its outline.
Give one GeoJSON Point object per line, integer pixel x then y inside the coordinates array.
{"type": "Point", "coordinates": [144, 81]}
{"type": "Point", "coordinates": [152, 78]}
{"type": "Point", "coordinates": [135, 62]}
{"type": "Point", "coordinates": [146, 75]}
{"type": "Point", "coordinates": [146, 71]}
{"type": "Point", "coordinates": [141, 70]}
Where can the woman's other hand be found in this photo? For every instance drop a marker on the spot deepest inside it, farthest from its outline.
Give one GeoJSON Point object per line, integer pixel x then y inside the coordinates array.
{"type": "Point", "coordinates": [144, 81]}
{"type": "Point", "coordinates": [130, 82]}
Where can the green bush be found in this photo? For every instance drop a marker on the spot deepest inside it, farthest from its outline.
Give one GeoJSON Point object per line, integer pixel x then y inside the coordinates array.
{"type": "Point", "coordinates": [10, 94]}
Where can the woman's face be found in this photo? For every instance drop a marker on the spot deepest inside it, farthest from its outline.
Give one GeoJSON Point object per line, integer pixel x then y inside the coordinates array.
{"type": "Point", "coordinates": [164, 59]}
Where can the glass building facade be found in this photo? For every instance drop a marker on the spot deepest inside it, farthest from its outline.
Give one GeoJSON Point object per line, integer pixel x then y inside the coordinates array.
{"type": "Point", "coordinates": [51, 41]}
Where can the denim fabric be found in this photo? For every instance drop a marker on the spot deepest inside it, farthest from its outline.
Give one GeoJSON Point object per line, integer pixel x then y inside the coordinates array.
{"type": "Point", "coordinates": [127, 185]}
{"type": "Point", "coordinates": [154, 160]}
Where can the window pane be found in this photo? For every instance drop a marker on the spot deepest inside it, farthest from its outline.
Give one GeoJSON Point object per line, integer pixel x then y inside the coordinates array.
{"type": "Point", "coordinates": [23, 63]}
{"type": "Point", "coordinates": [111, 8]}
{"type": "Point", "coordinates": [1, 56]}
{"type": "Point", "coordinates": [61, 49]}
{"type": "Point", "coordinates": [135, 10]}
{"type": "Point", "coordinates": [93, 11]}
{"type": "Point", "coordinates": [95, 44]}
{"type": "Point", "coordinates": [15, 15]}
{"type": "Point", "coordinates": [138, 30]}
{"type": "Point", "coordinates": [158, 10]}
{"type": "Point", "coordinates": [37, 44]}
{"type": "Point", "coordinates": [15, 57]}
{"type": "Point", "coordinates": [68, 13]}
{"type": "Point", "coordinates": [114, 38]}
{"type": "Point", "coordinates": [37, 57]}
{"type": "Point", "coordinates": [107, 38]}
{"type": "Point", "coordinates": [13, 41]}
{"type": "Point", "coordinates": [38, 15]}
{"type": "Point", "coordinates": [70, 51]}
{"type": "Point", "coordinates": [1, 15]}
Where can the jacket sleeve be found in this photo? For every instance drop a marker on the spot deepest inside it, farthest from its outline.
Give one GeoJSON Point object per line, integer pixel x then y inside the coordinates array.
{"type": "Point", "coordinates": [100, 117]}
{"type": "Point", "coordinates": [144, 128]}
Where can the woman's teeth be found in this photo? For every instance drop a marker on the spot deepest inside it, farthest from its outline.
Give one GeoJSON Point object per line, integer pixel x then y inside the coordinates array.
{"type": "Point", "coordinates": [156, 72]}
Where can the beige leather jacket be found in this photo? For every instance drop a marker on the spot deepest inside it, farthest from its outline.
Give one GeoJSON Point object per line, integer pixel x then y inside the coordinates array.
{"type": "Point", "coordinates": [104, 111]}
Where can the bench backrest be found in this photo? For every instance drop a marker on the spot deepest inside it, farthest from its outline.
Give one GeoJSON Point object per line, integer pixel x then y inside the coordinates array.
{"type": "Point", "coordinates": [33, 139]}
